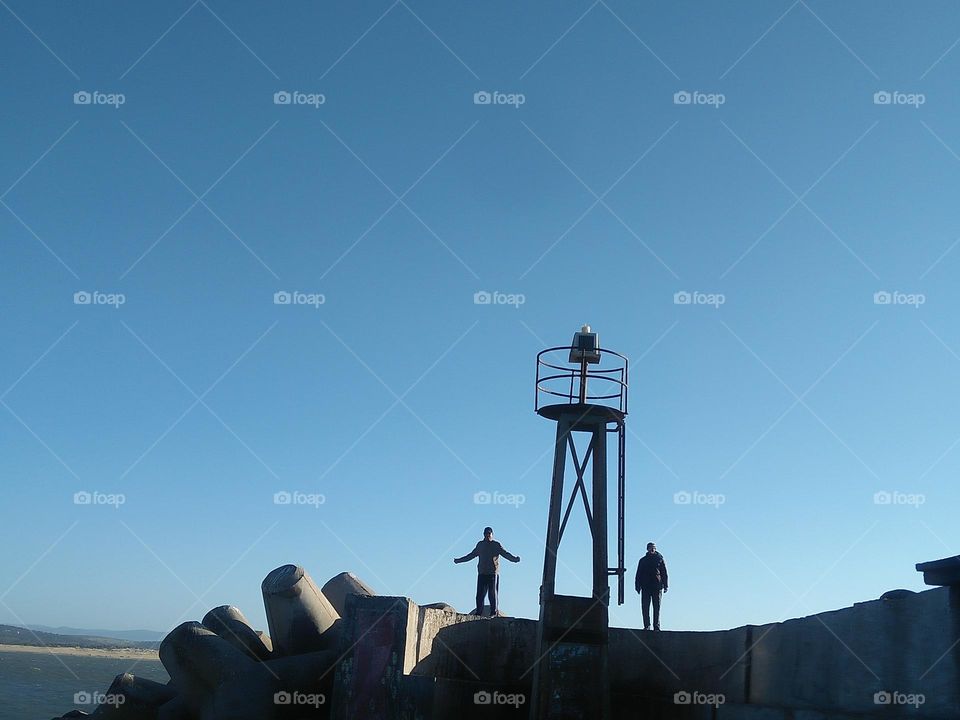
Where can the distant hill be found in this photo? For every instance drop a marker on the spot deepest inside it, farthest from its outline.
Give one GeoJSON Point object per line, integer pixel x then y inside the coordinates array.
{"type": "Point", "coordinates": [138, 635]}
{"type": "Point", "coordinates": [13, 635]}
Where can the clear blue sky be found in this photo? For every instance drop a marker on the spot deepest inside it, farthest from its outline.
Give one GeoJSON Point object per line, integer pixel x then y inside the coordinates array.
{"type": "Point", "coordinates": [798, 198]}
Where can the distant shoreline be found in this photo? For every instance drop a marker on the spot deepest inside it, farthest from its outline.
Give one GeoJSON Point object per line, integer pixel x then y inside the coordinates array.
{"type": "Point", "coordinates": [118, 653]}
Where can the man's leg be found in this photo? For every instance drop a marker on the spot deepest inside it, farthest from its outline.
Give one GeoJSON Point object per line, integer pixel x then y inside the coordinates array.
{"type": "Point", "coordinates": [494, 587]}
{"type": "Point", "coordinates": [481, 591]}
{"type": "Point", "coordinates": [645, 607]}
{"type": "Point", "coordinates": [656, 595]}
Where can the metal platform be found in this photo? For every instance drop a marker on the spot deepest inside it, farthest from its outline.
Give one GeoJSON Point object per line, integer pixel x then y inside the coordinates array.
{"type": "Point", "coordinates": [587, 415]}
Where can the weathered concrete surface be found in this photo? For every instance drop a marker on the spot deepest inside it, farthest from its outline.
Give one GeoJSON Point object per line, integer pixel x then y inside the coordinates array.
{"type": "Point", "coordinates": [134, 698]}
{"type": "Point", "coordinates": [378, 643]}
{"type": "Point", "coordinates": [825, 665]}
{"type": "Point", "coordinates": [571, 676]}
{"type": "Point", "coordinates": [339, 586]}
{"type": "Point", "coordinates": [265, 639]}
{"type": "Point", "coordinates": [440, 606]}
{"type": "Point", "coordinates": [216, 680]}
{"type": "Point", "coordinates": [229, 623]}
{"type": "Point", "coordinates": [662, 663]}
{"type": "Point", "coordinates": [175, 709]}
{"type": "Point", "coordinates": [305, 683]}
{"type": "Point", "coordinates": [397, 661]}
{"type": "Point", "coordinates": [298, 614]}
{"type": "Point", "coordinates": [838, 660]}
{"type": "Point", "coordinates": [468, 648]}
{"type": "Point", "coordinates": [945, 571]}
{"type": "Point", "coordinates": [465, 700]}
{"type": "Point", "coordinates": [431, 621]}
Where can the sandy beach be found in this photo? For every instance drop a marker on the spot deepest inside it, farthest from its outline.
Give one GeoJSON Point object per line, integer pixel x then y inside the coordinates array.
{"type": "Point", "coordinates": [118, 653]}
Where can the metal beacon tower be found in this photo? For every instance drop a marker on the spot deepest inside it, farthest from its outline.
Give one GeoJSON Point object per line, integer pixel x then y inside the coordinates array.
{"type": "Point", "coordinates": [571, 677]}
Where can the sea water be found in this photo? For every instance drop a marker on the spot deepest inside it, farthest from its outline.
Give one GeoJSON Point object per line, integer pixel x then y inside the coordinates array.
{"type": "Point", "coordinates": [40, 686]}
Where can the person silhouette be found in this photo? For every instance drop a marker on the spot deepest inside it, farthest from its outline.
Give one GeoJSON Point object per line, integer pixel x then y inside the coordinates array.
{"type": "Point", "coordinates": [651, 580]}
{"type": "Point", "coordinates": [488, 551]}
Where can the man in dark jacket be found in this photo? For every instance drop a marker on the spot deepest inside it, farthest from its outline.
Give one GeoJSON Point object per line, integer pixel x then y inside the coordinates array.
{"type": "Point", "coordinates": [651, 580]}
{"type": "Point", "coordinates": [488, 568]}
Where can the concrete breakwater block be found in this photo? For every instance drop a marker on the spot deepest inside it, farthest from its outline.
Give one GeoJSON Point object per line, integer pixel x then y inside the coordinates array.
{"type": "Point", "coordinates": [223, 669]}
{"type": "Point", "coordinates": [134, 698]}
{"type": "Point", "coordinates": [214, 679]}
{"type": "Point", "coordinates": [339, 586]}
{"type": "Point", "coordinates": [231, 624]}
{"type": "Point", "coordinates": [299, 616]}
{"type": "Point", "coordinates": [175, 709]}
{"type": "Point", "coordinates": [945, 571]}
{"type": "Point", "coordinates": [446, 607]}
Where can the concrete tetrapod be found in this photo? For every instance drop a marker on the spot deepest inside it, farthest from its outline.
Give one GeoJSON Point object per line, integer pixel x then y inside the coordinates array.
{"type": "Point", "coordinates": [215, 680]}
{"type": "Point", "coordinates": [304, 682]}
{"type": "Point", "coordinates": [229, 623]}
{"type": "Point", "coordinates": [175, 709]}
{"type": "Point", "coordinates": [134, 698]}
{"type": "Point", "coordinates": [299, 616]}
{"type": "Point", "coordinates": [339, 586]}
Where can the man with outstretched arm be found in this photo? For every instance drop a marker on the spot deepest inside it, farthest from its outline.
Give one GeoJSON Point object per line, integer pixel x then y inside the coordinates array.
{"type": "Point", "coordinates": [488, 551]}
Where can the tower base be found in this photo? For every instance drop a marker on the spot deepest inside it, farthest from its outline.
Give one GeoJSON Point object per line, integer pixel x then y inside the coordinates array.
{"type": "Point", "coordinates": [572, 676]}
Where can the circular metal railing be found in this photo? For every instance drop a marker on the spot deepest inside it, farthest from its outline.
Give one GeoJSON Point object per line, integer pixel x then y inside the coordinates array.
{"type": "Point", "coordinates": [603, 383]}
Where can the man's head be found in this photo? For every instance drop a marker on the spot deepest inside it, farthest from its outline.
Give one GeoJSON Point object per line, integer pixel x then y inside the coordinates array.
{"type": "Point", "coordinates": [488, 533]}
{"type": "Point", "coordinates": [651, 548]}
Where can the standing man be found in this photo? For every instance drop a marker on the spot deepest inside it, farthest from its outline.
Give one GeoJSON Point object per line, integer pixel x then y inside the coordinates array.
{"type": "Point", "coordinates": [488, 568]}
{"type": "Point", "coordinates": [651, 580]}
